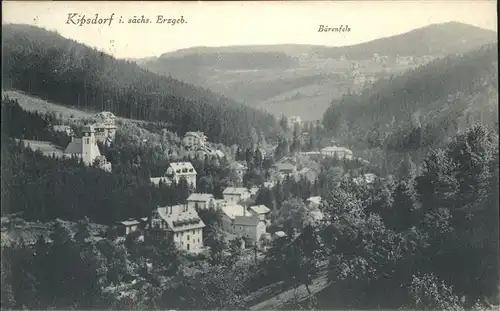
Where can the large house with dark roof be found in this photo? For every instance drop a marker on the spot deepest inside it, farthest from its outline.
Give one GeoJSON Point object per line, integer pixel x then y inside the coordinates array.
{"type": "Point", "coordinates": [86, 149]}
{"type": "Point", "coordinates": [180, 224]}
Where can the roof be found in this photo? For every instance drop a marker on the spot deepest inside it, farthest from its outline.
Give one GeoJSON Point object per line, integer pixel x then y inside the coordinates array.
{"type": "Point", "coordinates": [182, 168]}
{"type": "Point", "coordinates": [105, 115]}
{"type": "Point", "coordinates": [105, 125]}
{"type": "Point", "coordinates": [238, 166]}
{"type": "Point", "coordinates": [220, 154]}
{"type": "Point", "coordinates": [316, 200]}
{"type": "Point", "coordinates": [285, 166]}
{"type": "Point", "coordinates": [233, 190]}
{"type": "Point", "coordinates": [287, 160]}
{"type": "Point", "coordinates": [233, 210]}
{"type": "Point", "coordinates": [75, 146]}
{"type": "Point", "coordinates": [61, 128]}
{"type": "Point", "coordinates": [336, 149]}
{"type": "Point", "coordinates": [180, 220]}
{"type": "Point", "coordinates": [268, 184]}
{"type": "Point", "coordinates": [280, 234]}
{"type": "Point", "coordinates": [260, 209]}
{"type": "Point", "coordinates": [304, 170]}
{"type": "Point", "coordinates": [130, 222]}
{"type": "Point", "coordinates": [200, 197]}
{"type": "Point", "coordinates": [221, 202]}
{"type": "Point", "coordinates": [246, 220]}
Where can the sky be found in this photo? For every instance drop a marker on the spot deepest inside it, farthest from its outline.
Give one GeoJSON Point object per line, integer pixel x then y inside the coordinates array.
{"type": "Point", "coordinates": [241, 23]}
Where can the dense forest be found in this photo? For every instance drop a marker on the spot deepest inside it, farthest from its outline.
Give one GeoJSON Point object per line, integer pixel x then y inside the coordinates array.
{"type": "Point", "coordinates": [230, 61]}
{"type": "Point", "coordinates": [75, 75]}
{"type": "Point", "coordinates": [423, 107]}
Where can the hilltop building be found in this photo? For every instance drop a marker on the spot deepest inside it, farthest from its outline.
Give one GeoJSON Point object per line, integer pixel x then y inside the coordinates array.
{"type": "Point", "coordinates": [180, 224]}
{"type": "Point", "coordinates": [194, 139]}
{"type": "Point", "coordinates": [105, 127]}
{"type": "Point", "coordinates": [86, 149]}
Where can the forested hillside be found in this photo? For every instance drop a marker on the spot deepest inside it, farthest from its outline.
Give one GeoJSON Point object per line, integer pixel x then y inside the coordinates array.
{"type": "Point", "coordinates": [52, 67]}
{"type": "Point", "coordinates": [237, 60]}
{"type": "Point", "coordinates": [422, 107]}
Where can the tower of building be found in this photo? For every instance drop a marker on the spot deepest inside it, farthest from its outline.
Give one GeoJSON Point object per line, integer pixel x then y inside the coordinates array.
{"type": "Point", "coordinates": [89, 148]}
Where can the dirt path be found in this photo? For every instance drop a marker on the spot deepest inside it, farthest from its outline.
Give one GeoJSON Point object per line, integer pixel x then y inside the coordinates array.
{"type": "Point", "coordinates": [295, 295]}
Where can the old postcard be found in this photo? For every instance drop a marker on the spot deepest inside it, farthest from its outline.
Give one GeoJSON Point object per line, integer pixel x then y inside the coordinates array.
{"type": "Point", "coordinates": [250, 155]}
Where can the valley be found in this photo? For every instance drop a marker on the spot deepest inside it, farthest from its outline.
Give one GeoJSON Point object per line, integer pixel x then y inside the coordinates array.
{"type": "Point", "coordinates": [197, 181]}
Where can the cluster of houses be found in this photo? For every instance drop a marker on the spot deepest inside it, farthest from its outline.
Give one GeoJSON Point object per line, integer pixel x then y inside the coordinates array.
{"type": "Point", "coordinates": [182, 224]}
{"type": "Point", "coordinates": [198, 141]}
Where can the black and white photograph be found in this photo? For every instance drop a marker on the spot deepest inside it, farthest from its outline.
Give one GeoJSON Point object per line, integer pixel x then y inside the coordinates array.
{"type": "Point", "coordinates": [250, 155]}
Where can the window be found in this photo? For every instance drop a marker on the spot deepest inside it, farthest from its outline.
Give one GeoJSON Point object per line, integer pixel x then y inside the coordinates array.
{"type": "Point", "coordinates": [188, 237]}
{"type": "Point", "coordinates": [188, 247]}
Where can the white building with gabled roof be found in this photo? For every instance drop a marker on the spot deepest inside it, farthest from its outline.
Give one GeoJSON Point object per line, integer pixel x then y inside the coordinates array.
{"type": "Point", "coordinates": [175, 172]}
{"type": "Point", "coordinates": [259, 210]}
{"type": "Point", "coordinates": [338, 152]}
{"type": "Point", "coordinates": [180, 224]}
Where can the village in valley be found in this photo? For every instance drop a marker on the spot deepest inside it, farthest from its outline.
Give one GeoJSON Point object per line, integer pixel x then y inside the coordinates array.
{"type": "Point", "coordinates": [249, 177]}
{"type": "Point", "coordinates": [243, 220]}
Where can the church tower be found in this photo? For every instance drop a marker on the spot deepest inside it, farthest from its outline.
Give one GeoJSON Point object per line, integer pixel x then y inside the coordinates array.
{"type": "Point", "coordinates": [90, 151]}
